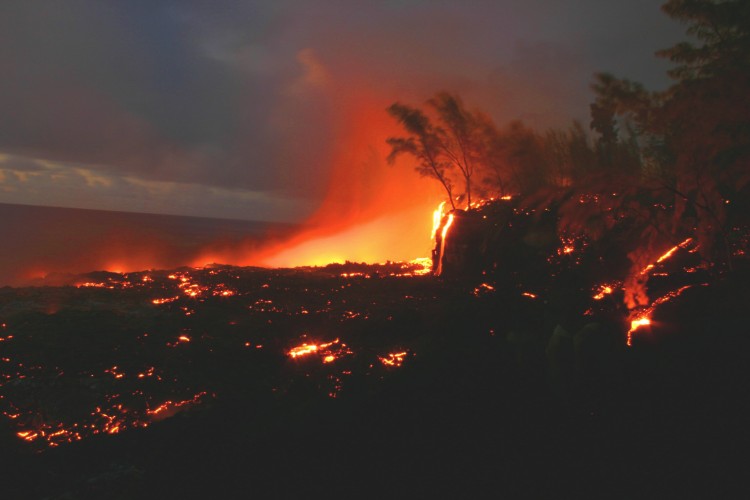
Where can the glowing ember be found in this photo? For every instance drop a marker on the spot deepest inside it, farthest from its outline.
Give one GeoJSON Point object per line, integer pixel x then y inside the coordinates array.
{"type": "Point", "coordinates": [114, 372]}
{"type": "Point", "coordinates": [328, 352]}
{"type": "Point", "coordinates": [393, 359]}
{"type": "Point", "coordinates": [484, 288]}
{"type": "Point", "coordinates": [169, 408]}
{"type": "Point", "coordinates": [164, 301]}
{"type": "Point", "coordinates": [303, 350]}
{"type": "Point", "coordinates": [354, 275]}
{"type": "Point", "coordinates": [602, 292]}
{"type": "Point", "coordinates": [529, 295]}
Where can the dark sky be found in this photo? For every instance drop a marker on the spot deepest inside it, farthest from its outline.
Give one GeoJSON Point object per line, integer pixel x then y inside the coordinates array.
{"type": "Point", "coordinates": [243, 109]}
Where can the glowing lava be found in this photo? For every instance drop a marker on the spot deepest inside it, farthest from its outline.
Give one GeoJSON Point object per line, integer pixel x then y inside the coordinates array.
{"type": "Point", "coordinates": [328, 352]}
{"type": "Point", "coordinates": [443, 238]}
{"type": "Point", "coordinates": [395, 359]}
{"type": "Point", "coordinates": [437, 218]}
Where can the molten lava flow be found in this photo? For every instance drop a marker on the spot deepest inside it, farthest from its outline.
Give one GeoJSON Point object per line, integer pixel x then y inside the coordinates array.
{"type": "Point", "coordinates": [437, 218]}
{"type": "Point", "coordinates": [303, 350]}
{"type": "Point", "coordinates": [328, 352]}
{"type": "Point", "coordinates": [423, 266]}
{"type": "Point", "coordinates": [667, 255]}
{"type": "Point", "coordinates": [169, 408]}
{"type": "Point", "coordinates": [635, 285]}
{"type": "Point", "coordinates": [643, 317]}
{"type": "Point", "coordinates": [395, 359]}
{"type": "Point", "coordinates": [603, 291]}
{"type": "Point", "coordinates": [444, 237]}
{"type": "Point", "coordinates": [635, 324]}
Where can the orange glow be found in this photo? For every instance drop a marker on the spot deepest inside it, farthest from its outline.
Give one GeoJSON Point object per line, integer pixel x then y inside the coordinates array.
{"type": "Point", "coordinates": [426, 266]}
{"type": "Point", "coordinates": [437, 218]}
{"type": "Point", "coordinates": [169, 408]}
{"type": "Point", "coordinates": [635, 325]}
{"type": "Point", "coordinates": [393, 359]}
{"type": "Point", "coordinates": [673, 250]}
{"type": "Point", "coordinates": [362, 208]}
{"type": "Point", "coordinates": [303, 350]}
{"type": "Point", "coordinates": [529, 295]}
{"type": "Point", "coordinates": [644, 317]}
{"type": "Point", "coordinates": [372, 211]}
{"type": "Point", "coordinates": [667, 255]}
{"type": "Point", "coordinates": [164, 301]}
{"type": "Point", "coordinates": [114, 372]}
{"type": "Point", "coordinates": [483, 289]}
{"type": "Point", "coordinates": [328, 352]}
{"type": "Point", "coordinates": [603, 291]}
{"type": "Point", "coordinates": [444, 236]}
{"type": "Point", "coordinates": [27, 435]}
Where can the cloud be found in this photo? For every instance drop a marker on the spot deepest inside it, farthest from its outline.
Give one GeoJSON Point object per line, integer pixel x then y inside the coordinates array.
{"type": "Point", "coordinates": [260, 96]}
{"type": "Point", "coordinates": [314, 74]}
{"type": "Point", "coordinates": [58, 184]}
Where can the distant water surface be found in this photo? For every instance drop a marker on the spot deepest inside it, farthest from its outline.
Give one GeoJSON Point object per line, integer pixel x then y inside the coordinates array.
{"type": "Point", "coordinates": [37, 241]}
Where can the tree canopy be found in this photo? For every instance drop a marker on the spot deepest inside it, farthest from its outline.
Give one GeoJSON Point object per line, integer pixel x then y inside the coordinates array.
{"type": "Point", "coordinates": [678, 160]}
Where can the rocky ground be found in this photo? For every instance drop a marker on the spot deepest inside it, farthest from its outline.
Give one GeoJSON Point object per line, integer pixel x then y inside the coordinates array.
{"type": "Point", "coordinates": [182, 384]}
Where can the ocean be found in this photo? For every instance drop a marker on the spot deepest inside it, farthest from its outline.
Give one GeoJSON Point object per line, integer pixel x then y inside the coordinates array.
{"type": "Point", "coordinates": [38, 242]}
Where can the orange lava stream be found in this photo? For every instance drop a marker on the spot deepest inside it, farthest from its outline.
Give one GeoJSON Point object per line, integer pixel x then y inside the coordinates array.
{"type": "Point", "coordinates": [643, 317]}
{"type": "Point", "coordinates": [444, 237]}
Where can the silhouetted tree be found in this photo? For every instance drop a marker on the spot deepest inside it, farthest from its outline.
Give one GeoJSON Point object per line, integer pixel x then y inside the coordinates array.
{"type": "Point", "coordinates": [516, 159]}
{"type": "Point", "coordinates": [454, 145]}
{"type": "Point", "coordinates": [461, 135]}
{"type": "Point", "coordinates": [423, 144]}
{"type": "Point", "coordinates": [705, 118]}
{"type": "Point", "coordinates": [693, 140]}
{"type": "Point", "coordinates": [618, 104]}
